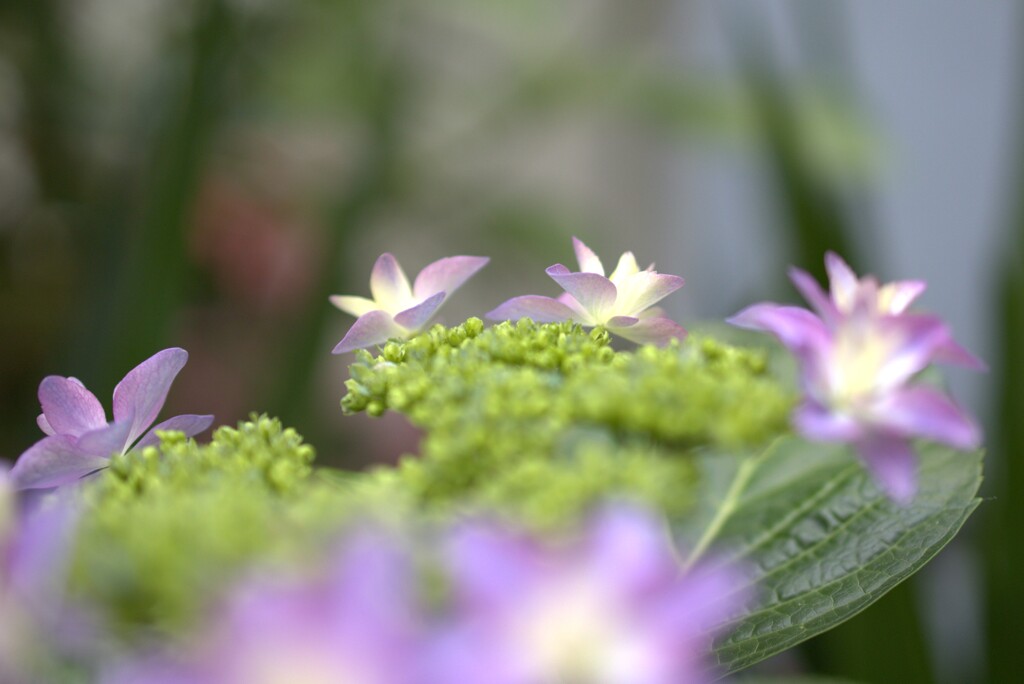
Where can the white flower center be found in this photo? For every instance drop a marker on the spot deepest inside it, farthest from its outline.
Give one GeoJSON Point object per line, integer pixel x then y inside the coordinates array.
{"type": "Point", "coordinates": [856, 370]}
{"type": "Point", "coordinates": [574, 632]}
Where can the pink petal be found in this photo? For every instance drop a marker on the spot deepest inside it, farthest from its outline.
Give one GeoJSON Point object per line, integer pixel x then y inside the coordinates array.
{"type": "Point", "coordinates": [579, 312]}
{"type": "Point", "coordinates": [107, 440]}
{"type": "Point", "coordinates": [189, 424]}
{"type": "Point", "coordinates": [919, 338]}
{"type": "Point", "coordinates": [657, 331]}
{"type": "Point", "coordinates": [842, 281]}
{"type": "Point", "coordinates": [648, 289]}
{"type": "Point", "coordinates": [817, 423]}
{"type": "Point", "coordinates": [69, 408]}
{"type": "Point", "coordinates": [490, 567]}
{"type": "Point", "coordinates": [925, 412]}
{"type": "Point", "coordinates": [447, 275]}
{"type": "Point", "coordinates": [539, 309]}
{"type": "Point", "coordinates": [44, 424]}
{"type": "Point", "coordinates": [369, 329]}
{"type": "Point", "coordinates": [388, 284]}
{"type": "Point", "coordinates": [951, 352]}
{"type": "Point", "coordinates": [624, 531]}
{"type": "Point", "coordinates": [141, 394]}
{"type": "Point", "coordinates": [710, 596]}
{"type": "Point", "coordinates": [53, 461]}
{"type": "Point", "coordinates": [37, 560]}
{"type": "Point", "coordinates": [594, 292]}
{"type": "Point", "coordinates": [357, 306]}
{"type": "Point", "coordinates": [892, 464]}
{"type": "Point", "coordinates": [589, 262]}
{"type": "Point", "coordinates": [812, 292]}
{"type": "Point", "coordinates": [904, 294]}
{"type": "Point", "coordinates": [413, 319]}
{"type": "Point", "coordinates": [798, 329]}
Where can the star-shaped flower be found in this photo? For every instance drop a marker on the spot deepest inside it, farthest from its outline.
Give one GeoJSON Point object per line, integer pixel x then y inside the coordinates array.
{"type": "Point", "coordinates": [80, 441]}
{"type": "Point", "coordinates": [398, 310]}
{"type": "Point", "coordinates": [621, 302]}
{"type": "Point", "coordinates": [857, 360]}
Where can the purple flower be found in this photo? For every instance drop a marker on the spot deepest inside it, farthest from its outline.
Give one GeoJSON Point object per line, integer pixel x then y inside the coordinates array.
{"type": "Point", "coordinates": [398, 310]}
{"type": "Point", "coordinates": [620, 302]}
{"type": "Point", "coordinates": [612, 607]}
{"type": "Point", "coordinates": [857, 359]}
{"type": "Point", "coordinates": [80, 440]}
{"type": "Point", "coordinates": [33, 554]}
{"type": "Point", "coordinates": [356, 624]}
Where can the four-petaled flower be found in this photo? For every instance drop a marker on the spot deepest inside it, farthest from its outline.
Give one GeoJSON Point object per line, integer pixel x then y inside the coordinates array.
{"type": "Point", "coordinates": [398, 310]}
{"type": "Point", "coordinates": [612, 607]}
{"type": "Point", "coordinates": [857, 360]}
{"type": "Point", "coordinates": [81, 441]}
{"type": "Point", "coordinates": [620, 302]}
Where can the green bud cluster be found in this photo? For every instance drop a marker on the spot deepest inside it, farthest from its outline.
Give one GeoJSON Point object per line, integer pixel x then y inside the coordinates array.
{"type": "Point", "coordinates": [540, 421]}
{"type": "Point", "coordinates": [165, 527]}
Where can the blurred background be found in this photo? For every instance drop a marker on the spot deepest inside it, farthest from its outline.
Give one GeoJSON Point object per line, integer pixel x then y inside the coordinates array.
{"type": "Point", "coordinates": [204, 173]}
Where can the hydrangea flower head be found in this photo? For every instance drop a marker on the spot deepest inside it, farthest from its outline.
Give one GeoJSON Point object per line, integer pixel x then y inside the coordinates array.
{"type": "Point", "coordinates": [613, 607]}
{"type": "Point", "coordinates": [398, 309]}
{"type": "Point", "coordinates": [621, 302]}
{"type": "Point", "coordinates": [857, 360]}
{"type": "Point", "coordinates": [79, 439]}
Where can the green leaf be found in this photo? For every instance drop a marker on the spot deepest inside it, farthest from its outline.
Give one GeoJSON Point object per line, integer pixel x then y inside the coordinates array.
{"type": "Point", "coordinates": [819, 542]}
{"type": "Point", "coordinates": [794, 679]}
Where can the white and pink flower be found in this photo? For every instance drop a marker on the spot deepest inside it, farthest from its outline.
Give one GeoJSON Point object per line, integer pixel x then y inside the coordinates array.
{"type": "Point", "coordinates": [397, 309]}
{"type": "Point", "coordinates": [621, 302]}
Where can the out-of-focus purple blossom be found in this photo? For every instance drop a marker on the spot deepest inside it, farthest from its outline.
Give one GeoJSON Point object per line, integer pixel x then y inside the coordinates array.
{"type": "Point", "coordinates": [79, 439]}
{"type": "Point", "coordinates": [621, 302]}
{"type": "Point", "coordinates": [857, 359]}
{"type": "Point", "coordinates": [398, 309]}
{"type": "Point", "coordinates": [33, 559]}
{"type": "Point", "coordinates": [613, 607]}
{"type": "Point", "coordinates": [357, 624]}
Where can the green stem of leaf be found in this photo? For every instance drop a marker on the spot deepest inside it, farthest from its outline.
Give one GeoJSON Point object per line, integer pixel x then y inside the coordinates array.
{"type": "Point", "coordinates": [729, 503]}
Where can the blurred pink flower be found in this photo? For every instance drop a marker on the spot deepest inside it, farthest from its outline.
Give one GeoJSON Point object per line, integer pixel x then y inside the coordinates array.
{"type": "Point", "coordinates": [613, 607]}
{"type": "Point", "coordinates": [356, 624]}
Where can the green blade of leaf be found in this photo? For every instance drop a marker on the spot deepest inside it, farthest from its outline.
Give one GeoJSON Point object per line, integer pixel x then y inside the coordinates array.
{"type": "Point", "coordinates": [818, 540]}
